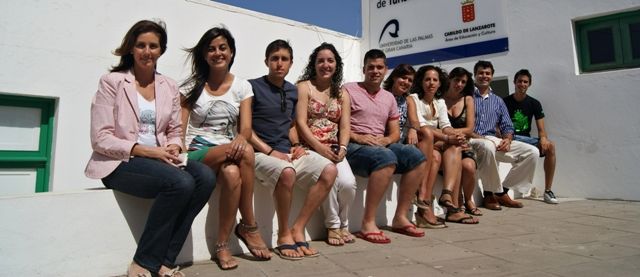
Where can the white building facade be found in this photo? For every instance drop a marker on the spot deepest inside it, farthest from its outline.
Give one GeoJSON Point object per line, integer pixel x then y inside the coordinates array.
{"type": "Point", "coordinates": [52, 54]}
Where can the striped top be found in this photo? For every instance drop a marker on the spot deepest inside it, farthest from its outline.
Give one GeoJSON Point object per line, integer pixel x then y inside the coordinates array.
{"type": "Point", "coordinates": [491, 112]}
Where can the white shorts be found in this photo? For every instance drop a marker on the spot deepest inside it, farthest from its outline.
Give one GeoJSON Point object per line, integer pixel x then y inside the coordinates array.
{"type": "Point", "coordinates": [308, 169]}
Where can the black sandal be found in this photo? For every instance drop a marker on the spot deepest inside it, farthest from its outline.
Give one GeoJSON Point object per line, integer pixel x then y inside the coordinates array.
{"type": "Point", "coordinates": [421, 204]}
{"type": "Point", "coordinates": [475, 211]}
{"type": "Point", "coordinates": [467, 219]}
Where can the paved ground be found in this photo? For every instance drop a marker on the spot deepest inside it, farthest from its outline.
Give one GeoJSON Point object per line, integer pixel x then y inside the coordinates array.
{"type": "Point", "coordinates": [574, 238]}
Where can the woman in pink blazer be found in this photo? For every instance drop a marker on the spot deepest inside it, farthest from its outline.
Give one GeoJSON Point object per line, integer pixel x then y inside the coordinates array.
{"type": "Point", "coordinates": [136, 139]}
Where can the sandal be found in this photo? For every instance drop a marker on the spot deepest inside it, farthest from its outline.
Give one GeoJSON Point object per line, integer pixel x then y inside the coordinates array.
{"type": "Point", "coordinates": [334, 234]}
{"type": "Point", "coordinates": [305, 244]}
{"type": "Point", "coordinates": [174, 272]}
{"type": "Point", "coordinates": [251, 229]}
{"type": "Point", "coordinates": [408, 230]}
{"type": "Point", "coordinates": [223, 264]}
{"type": "Point", "coordinates": [446, 203]}
{"type": "Point", "coordinates": [422, 222]}
{"type": "Point", "coordinates": [467, 219]}
{"type": "Point", "coordinates": [279, 250]}
{"type": "Point", "coordinates": [472, 211]}
{"type": "Point", "coordinates": [422, 204]}
{"type": "Point", "coordinates": [347, 237]}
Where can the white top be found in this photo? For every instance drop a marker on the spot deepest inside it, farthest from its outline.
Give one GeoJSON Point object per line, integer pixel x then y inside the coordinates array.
{"type": "Point", "coordinates": [440, 120]}
{"type": "Point", "coordinates": [147, 122]}
{"type": "Point", "coordinates": [215, 118]}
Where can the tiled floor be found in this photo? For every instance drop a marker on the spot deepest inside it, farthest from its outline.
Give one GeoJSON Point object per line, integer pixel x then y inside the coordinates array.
{"type": "Point", "coordinates": [574, 238]}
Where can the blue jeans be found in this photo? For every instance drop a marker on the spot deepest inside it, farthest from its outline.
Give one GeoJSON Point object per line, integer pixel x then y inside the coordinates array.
{"type": "Point", "coordinates": [529, 140]}
{"type": "Point", "coordinates": [365, 159]}
{"type": "Point", "coordinates": [179, 195]}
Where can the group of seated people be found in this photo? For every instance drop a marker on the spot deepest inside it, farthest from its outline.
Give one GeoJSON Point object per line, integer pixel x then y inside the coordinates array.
{"type": "Point", "coordinates": [315, 135]}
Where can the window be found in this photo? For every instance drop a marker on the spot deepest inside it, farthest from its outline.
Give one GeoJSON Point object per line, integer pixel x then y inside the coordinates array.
{"type": "Point", "coordinates": [26, 125]}
{"type": "Point", "coordinates": [609, 42]}
{"type": "Point", "coordinates": [500, 86]}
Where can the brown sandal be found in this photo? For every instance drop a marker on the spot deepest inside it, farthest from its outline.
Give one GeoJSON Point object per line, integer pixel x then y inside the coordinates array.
{"type": "Point", "coordinates": [446, 203]}
{"type": "Point", "coordinates": [252, 229]}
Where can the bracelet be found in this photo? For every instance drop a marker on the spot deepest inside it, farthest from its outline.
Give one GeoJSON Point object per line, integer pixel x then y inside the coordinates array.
{"type": "Point", "coordinates": [269, 154]}
{"type": "Point", "coordinates": [343, 147]}
{"type": "Point", "coordinates": [296, 144]}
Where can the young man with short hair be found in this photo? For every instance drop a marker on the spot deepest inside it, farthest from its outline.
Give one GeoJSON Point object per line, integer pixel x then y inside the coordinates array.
{"type": "Point", "coordinates": [374, 151]}
{"type": "Point", "coordinates": [492, 116]}
{"type": "Point", "coordinates": [281, 162]}
{"type": "Point", "coordinates": [522, 109]}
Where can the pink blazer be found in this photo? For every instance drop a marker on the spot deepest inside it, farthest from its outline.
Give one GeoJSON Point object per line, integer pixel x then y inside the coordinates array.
{"type": "Point", "coordinates": [114, 120]}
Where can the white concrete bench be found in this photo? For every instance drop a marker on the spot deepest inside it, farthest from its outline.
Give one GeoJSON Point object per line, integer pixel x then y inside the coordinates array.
{"type": "Point", "coordinates": [76, 232]}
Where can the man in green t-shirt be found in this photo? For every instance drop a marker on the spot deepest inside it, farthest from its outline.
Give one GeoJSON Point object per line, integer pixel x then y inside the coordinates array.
{"type": "Point", "coordinates": [522, 109]}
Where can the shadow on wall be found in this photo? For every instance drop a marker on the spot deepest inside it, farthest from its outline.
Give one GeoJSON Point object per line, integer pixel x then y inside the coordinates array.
{"type": "Point", "coordinates": [135, 211]}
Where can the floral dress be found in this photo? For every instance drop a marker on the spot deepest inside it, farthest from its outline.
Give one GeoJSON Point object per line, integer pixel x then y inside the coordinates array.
{"type": "Point", "coordinates": [323, 119]}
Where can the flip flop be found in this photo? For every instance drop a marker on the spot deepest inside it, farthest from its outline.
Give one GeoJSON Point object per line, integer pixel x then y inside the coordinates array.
{"type": "Point", "coordinates": [345, 232]}
{"type": "Point", "coordinates": [279, 248]}
{"type": "Point", "coordinates": [369, 237]}
{"type": "Point", "coordinates": [306, 245]}
{"type": "Point", "coordinates": [409, 230]}
{"type": "Point", "coordinates": [334, 234]}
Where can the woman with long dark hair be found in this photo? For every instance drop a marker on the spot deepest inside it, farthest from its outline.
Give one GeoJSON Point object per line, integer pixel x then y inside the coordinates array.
{"type": "Point", "coordinates": [323, 121]}
{"type": "Point", "coordinates": [216, 112]}
{"type": "Point", "coordinates": [399, 83]}
{"type": "Point", "coordinates": [461, 113]}
{"type": "Point", "coordinates": [431, 111]}
{"type": "Point", "coordinates": [136, 138]}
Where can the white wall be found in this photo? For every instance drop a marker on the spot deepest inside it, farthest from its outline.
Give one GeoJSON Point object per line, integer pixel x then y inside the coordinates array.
{"type": "Point", "coordinates": [593, 118]}
{"type": "Point", "coordinates": [60, 49]}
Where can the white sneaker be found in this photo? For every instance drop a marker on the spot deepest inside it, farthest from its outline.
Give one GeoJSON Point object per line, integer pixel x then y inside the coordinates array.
{"type": "Point", "coordinates": [550, 198]}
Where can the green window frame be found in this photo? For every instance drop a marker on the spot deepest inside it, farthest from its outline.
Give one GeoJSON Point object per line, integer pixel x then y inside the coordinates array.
{"type": "Point", "coordinates": [40, 159]}
{"type": "Point", "coordinates": [616, 35]}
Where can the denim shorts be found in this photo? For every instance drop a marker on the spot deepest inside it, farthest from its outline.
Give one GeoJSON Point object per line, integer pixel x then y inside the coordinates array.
{"type": "Point", "coordinates": [365, 159]}
{"type": "Point", "coordinates": [529, 140]}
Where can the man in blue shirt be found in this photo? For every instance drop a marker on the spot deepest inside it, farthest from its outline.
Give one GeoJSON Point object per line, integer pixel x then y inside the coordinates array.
{"type": "Point", "coordinates": [494, 125]}
{"type": "Point", "coordinates": [280, 160]}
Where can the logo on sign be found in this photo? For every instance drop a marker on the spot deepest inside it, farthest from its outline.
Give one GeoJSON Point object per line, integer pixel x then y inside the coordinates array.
{"type": "Point", "coordinates": [468, 11]}
{"type": "Point", "coordinates": [394, 33]}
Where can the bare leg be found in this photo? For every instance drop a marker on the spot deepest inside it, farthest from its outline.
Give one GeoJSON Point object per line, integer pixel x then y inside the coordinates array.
{"type": "Point", "coordinates": [254, 240]}
{"type": "Point", "coordinates": [426, 147]}
{"type": "Point", "coordinates": [426, 186]}
{"type": "Point", "coordinates": [469, 182]}
{"type": "Point", "coordinates": [283, 194]}
{"type": "Point", "coordinates": [408, 185]}
{"type": "Point", "coordinates": [230, 185]}
{"type": "Point", "coordinates": [549, 166]}
{"type": "Point", "coordinates": [247, 165]}
{"type": "Point", "coordinates": [451, 164]}
{"type": "Point", "coordinates": [316, 195]}
{"type": "Point", "coordinates": [379, 181]}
